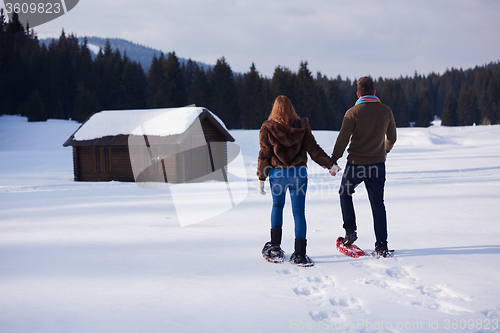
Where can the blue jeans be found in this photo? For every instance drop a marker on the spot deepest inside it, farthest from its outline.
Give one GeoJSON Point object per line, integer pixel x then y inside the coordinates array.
{"type": "Point", "coordinates": [373, 176]}
{"type": "Point", "coordinates": [295, 180]}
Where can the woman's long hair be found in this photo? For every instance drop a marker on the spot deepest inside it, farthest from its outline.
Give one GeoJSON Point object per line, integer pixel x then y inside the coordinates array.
{"type": "Point", "coordinates": [283, 111]}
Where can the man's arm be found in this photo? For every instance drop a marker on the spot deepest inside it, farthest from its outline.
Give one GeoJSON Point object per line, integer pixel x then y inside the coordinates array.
{"type": "Point", "coordinates": [391, 135]}
{"type": "Point", "coordinates": [343, 138]}
{"type": "Point", "coordinates": [317, 153]}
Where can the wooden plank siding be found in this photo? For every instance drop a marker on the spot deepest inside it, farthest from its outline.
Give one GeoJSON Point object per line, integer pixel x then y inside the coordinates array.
{"type": "Point", "coordinates": [121, 169]}
{"type": "Point", "coordinates": [211, 132]}
{"type": "Point", "coordinates": [89, 168]}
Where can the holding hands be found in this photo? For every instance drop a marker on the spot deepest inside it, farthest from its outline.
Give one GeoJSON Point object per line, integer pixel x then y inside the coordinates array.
{"type": "Point", "coordinates": [334, 170]}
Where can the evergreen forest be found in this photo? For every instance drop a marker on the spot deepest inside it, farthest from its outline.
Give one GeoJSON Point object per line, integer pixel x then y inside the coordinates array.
{"type": "Point", "coordinates": [64, 81]}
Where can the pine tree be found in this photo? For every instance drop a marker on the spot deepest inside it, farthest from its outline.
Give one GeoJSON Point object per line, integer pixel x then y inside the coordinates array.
{"type": "Point", "coordinates": [63, 56]}
{"type": "Point", "coordinates": [408, 86]}
{"type": "Point", "coordinates": [200, 90]}
{"type": "Point", "coordinates": [3, 24]}
{"type": "Point", "coordinates": [224, 98]}
{"type": "Point", "coordinates": [337, 105]}
{"type": "Point", "coordinates": [282, 83]}
{"type": "Point", "coordinates": [449, 115]}
{"type": "Point", "coordinates": [33, 107]}
{"type": "Point", "coordinates": [392, 94]}
{"type": "Point", "coordinates": [109, 68]}
{"type": "Point", "coordinates": [255, 100]}
{"type": "Point", "coordinates": [493, 97]}
{"type": "Point", "coordinates": [324, 110]}
{"type": "Point", "coordinates": [133, 84]}
{"type": "Point", "coordinates": [15, 25]}
{"type": "Point", "coordinates": [155, 83]}
{"type": "Point", "coordinates": [49, 87]}
{"type": "Point", "coordinates": [71, 75]}
{"type": "Point", "coordinates": [352, 96]}
{"type": "Point", "coordinates": [174, 89]}
{"type": "Point", "coordinates": [306, 97]}
{"type": "Point", "coordinates": [401, 110]}
{"type": "Point", "coordinates": [85, 103]}
{"type": "Point", "coordinates": [467, 111]}
{"type": "Point", "coordinates": [423, 106]}
{"type": "Point", "coordinates": [114, 75]}
{"type": "Point", "coordinates": [85, 65]}
{"type": "Point", "coordinates": [189, 71]}
{"type": "Point", "coordinates": [14, 68]}
{"type": "Point", "coordinates": [34, 62]}
{"type": "Point", "coordinates": [482, 78]}
{"type": "Point", "coordinates": [345, 89]}
{"type": "Point", "coordinates": [400, 106]}
{"type": "Point", "coordinates": [324, 104]}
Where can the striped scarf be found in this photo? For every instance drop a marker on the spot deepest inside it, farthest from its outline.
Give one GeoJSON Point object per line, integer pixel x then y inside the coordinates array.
{"type": "Point", "coordinates": [367, 99]}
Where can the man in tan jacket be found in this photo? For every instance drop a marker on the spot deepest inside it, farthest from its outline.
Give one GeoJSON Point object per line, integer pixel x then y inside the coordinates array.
{"type": "Point", "coordinates": [371, 130]}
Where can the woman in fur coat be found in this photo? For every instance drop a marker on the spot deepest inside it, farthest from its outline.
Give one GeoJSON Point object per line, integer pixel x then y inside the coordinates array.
{"type": "Point", "coordinates": [285, 140]}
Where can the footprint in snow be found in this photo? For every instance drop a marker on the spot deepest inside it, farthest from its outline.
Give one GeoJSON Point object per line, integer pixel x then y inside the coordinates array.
{"type": "Point", "coordinates": [406, 289]}
{"type": "Point", "coordinates": [306, 291]}
{"type": "Point", "coordinates": [289, 272]}
{"type": "Point", "coordinates": [324, 299]}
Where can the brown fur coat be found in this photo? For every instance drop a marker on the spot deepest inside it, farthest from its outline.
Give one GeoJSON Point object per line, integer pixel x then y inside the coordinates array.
{"type": "Point", "coordinates": [283, 146]}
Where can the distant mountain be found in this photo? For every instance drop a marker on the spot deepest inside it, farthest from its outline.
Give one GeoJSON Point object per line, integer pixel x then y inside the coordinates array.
{"type": "Point", "coordinates": [142, 54]}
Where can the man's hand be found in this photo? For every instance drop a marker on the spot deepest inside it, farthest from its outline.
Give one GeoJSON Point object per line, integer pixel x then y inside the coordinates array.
{"type": "Point", "coordinates": [260, 187]}
{"type": "Point", "coordinates": [334, 170]}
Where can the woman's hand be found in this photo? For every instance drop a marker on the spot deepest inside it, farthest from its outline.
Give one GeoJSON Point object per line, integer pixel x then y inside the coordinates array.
{"type": "Point", "coordinates": [334, 170]}
{"type": "Point", "coordinates": [260, 187]}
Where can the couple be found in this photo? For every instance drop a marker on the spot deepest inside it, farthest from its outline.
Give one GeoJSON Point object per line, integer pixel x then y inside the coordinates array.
{"type": "Point", "coordinates": [284, 140]}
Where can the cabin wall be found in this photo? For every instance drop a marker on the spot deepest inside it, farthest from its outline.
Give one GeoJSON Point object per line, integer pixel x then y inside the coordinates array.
{"type": "Point", "coordinates": [157, 163]}
{"type": "Point", "coordinates": [197, 159]}
{"type": "Point", "coordinates": [97, 163]}
{"type": "Point", "coordinates": [219, 154]}
{"type": "Point", "coordinates": [85, 165]}
{"type": "Point", "coordinates": [121, 168]}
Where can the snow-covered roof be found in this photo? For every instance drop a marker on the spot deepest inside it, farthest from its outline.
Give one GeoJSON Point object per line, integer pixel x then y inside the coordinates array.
{"type": "Point", "coordinates": [155, 122]}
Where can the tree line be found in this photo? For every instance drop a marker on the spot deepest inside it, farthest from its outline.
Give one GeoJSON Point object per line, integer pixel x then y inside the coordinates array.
{"type": "Point", "coordinates": [63, 81]}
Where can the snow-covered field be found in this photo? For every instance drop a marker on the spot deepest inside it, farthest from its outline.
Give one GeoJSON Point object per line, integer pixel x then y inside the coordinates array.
{"type": "Point", "coordinates": [112, 257]}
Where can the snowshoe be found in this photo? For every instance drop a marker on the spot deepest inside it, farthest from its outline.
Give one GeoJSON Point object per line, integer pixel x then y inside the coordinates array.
{"type": "Point", "coordinates": [301, 260]}
{"type": "Point", "coordinates": [352, 251]}
{"type": "Point", "coordinates": [385, 253]}
{"type": "Point", "coordinates": [273, 253]}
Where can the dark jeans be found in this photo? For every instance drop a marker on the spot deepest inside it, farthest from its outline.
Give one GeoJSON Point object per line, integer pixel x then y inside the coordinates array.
{"type": "Point", "coordinates": [373, 176]}
{"type": "Point", "coordinates": [294, 180]}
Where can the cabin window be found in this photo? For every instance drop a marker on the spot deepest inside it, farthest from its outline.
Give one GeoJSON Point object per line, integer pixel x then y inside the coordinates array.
{"type": "Point", "coordinates": [101, 160]}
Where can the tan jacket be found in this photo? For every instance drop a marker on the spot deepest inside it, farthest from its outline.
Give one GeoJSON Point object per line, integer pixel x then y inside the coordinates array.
{"type": "Point", "coordinates": [372, 131]}
{"type": "Point", "coordinates": [283, 146]}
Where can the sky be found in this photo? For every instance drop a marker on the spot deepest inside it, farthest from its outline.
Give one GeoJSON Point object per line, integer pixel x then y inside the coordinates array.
{"type": "Point", "coordinates": [380, 38]}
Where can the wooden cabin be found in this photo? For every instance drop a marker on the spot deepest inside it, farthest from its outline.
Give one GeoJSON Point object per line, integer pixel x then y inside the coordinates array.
{"type": "Point", "coordinates": [176, 145]}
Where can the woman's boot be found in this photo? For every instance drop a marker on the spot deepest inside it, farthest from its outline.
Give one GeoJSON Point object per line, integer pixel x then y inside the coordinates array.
{"type": "Point", "coordinates": [272, 250]}
{"type": "Point", "coordinates": [299, 257]}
